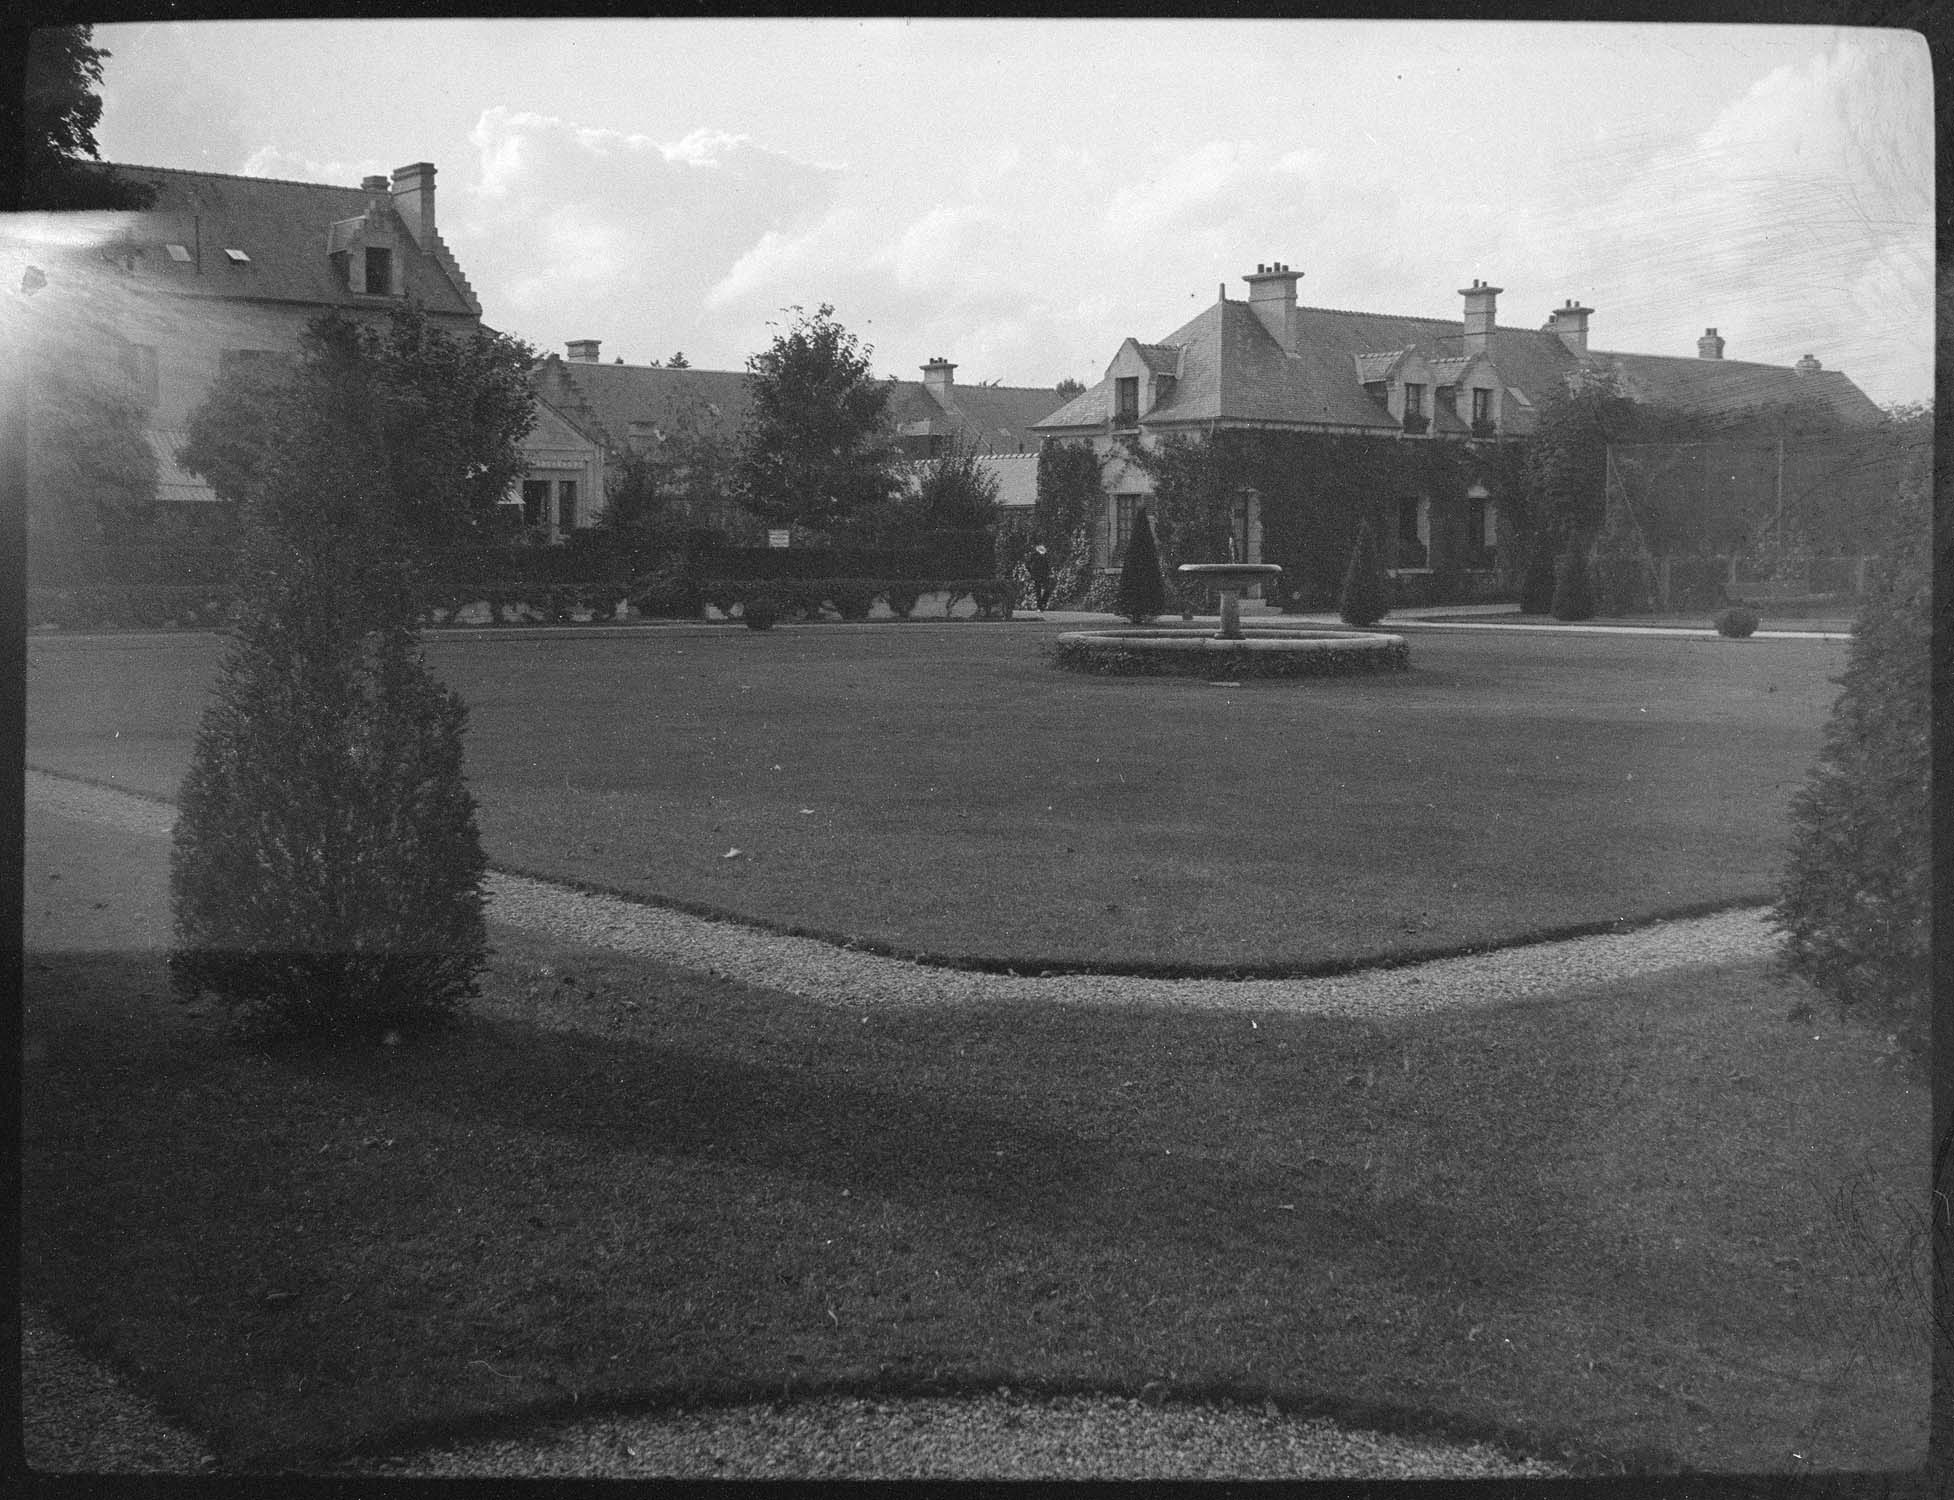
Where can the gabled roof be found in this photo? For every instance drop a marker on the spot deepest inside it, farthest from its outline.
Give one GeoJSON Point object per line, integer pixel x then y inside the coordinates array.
{"type": "Point", "coordinates": [284, 229]}
{"type": "Point", "coordinates": [1233, 370]}
{"type": "Point", "coordinates": [1161, 359]}
{"type": "Point", "coordinates": [604, 400]}
{"type": "Point", "coordinates": [1727, 387]}
{"type": "Point", "coordinates": [993, 418]}
{"type": "Point", "coordinates": [1016, 475]}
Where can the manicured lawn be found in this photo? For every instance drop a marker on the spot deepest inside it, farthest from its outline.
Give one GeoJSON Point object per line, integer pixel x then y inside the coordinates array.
{"type": "Point", "coordinates": [943, 790]}
{"type": "Point", "coordinates": [1653, 1224]}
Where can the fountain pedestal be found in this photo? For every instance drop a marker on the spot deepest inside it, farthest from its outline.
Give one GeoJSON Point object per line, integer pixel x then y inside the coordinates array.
{"type": "Point", "coordinates": [1230, 579]}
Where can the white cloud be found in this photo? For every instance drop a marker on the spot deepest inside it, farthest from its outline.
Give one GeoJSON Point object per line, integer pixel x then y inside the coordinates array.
{"type": "Point", "coordinates": [294, 166]}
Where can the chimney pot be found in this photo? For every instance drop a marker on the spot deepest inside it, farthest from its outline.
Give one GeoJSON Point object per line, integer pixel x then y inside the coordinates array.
{"type": "Point", "coordinates": [1808, 366]}
{"type": "Point", "coordinates": [1481, 310]}
{"type": "Point", "coordinates": [1570, 321]}
{"type": "Point", "coordinates": [1272, 298]}
{"type": "Point", "coordinates": [1709, 346]}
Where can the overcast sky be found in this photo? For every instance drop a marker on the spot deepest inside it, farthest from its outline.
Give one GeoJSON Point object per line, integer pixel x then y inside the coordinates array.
{"type": "Point", "coordinates": [1020, 196]}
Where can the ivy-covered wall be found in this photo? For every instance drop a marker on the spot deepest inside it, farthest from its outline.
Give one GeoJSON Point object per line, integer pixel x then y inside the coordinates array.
{"type": "Point", "coordinates": [1317, 490]}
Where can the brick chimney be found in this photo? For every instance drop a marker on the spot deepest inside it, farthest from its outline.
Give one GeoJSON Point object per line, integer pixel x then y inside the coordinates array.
{"type": "Point", "coordinates": [1272, 298]}
{"type": "Point", "coordinates": [1808, 366]}
{"type": "Point", "coordinates": [1479, 306]}
{"type": "Point", "coordinates": [414, 201]}
{"type": "Point", "coordinates": [939, 380]}
{"type": "Point", "coordinates": [1571, 323]}
{"type": "Point", "coordinates": [1709, 346]}
{"type": "Point", "coordinates": [583, 351]}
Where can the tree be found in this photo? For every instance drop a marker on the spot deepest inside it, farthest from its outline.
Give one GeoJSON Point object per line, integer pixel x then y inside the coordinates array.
{"type": "Point", "coordinates": [1069, 493]}
{"type": "Point", "coordinates": [817, 447]}
{"type": "Point", "coordinates": [958, 491]}
{"type": "Point", "coordinates": [1068, 388]}
{"type": "Point", "coordinates": [1856, 905]}
{"type": "Point", "coordinates": [450, 414]}
{"type": "Point", "coordinates": [326, 869]}
{"type": "Point", "coordinates": [685, 478]}
{"type": "Point", "coordinates": [678, 362]}
{"type": "Point", "coordinates": [59, 112]}
{"type": "Point", "coordinates": [1142, 590]}
{"type": "Point", "coordinates": [1366, 597]}
{"type": "Point", "coordinates": [91, 474]}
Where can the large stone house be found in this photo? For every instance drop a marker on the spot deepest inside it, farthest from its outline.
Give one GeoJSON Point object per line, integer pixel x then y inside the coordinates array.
{"type": "Point", "coordinates": [1270, 363]}
{"type": "Point", "coordinates": [222, 268]}
{"type": "Point", "coordinates": [620, 409]}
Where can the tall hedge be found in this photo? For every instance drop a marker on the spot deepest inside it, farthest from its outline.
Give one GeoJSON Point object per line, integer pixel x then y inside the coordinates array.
{"type": "Point", "coordinates": [1366, 597]}
{"type": "Point", "coordinates": [1855, 904]}
{"type": "Point", "coordinates": [326, 869]}
{"type": "Point", "coordinates": [1142, 591]}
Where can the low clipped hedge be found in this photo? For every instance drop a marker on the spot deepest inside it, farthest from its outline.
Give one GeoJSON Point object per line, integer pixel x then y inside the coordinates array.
{"type": "Point", "coordinates": [129, 606]}
{"type": "Point", "coordinates": [810, 599]}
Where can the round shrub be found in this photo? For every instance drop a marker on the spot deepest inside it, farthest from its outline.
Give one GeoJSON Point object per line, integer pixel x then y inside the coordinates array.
{"type": "Point", "coordinates": [901, 598]}
{"type": "Point", "coordinates": [853, 598]}
{"type": "Point", "coordinates": [1737, 622]}
{"type": "Point", "coordinates": [760, 609]}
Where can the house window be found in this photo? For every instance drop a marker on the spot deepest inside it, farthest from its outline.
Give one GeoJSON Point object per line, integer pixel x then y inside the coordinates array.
{"type": "Point", "coordinates": [1125, 507]}
{"type": "Point", "coordinates": [535, 502]}
{"type": "Point", "coordinates": [1414, 400]}
{"type": "Point", "coordinates": [566, 504]}
{"type": "Point", "coordinates": [1126, 412]}
{"type": "Point", "coordinates": [379, 271]}
{"type": "Point", "coordinates": [1482, 406]}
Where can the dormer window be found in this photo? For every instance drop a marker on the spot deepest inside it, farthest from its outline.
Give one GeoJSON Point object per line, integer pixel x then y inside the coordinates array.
{"type": "Point", "coordinates": [179, 253]}
{"type": "Point", "coordinates": [379, 271]}
{"type": "Point", "coordinates": [1126, 403]}
{"type": "Point", "coordinates": [1482, 406]}
{"type": "Point", "coordinates": [1414, 400]}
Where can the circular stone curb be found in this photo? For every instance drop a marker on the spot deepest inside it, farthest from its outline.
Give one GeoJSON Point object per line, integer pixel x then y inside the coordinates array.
{"type": "Point", "coordinates": [1148, 652]}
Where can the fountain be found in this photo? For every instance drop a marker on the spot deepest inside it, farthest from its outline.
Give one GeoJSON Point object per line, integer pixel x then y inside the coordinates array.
{"type": "Point", "coordinates": [1231, 651]}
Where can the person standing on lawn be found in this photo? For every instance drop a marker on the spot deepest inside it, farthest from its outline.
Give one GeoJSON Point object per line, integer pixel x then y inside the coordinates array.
{"type": "Point", "coordinates": [1039, 566]}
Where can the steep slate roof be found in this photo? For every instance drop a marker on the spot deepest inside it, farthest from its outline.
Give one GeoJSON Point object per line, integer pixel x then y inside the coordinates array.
{"type": "Point", "coordinates": [995, 418]}
{"type": "Point", "coordinates": [284, 227]}
{"type": "Point", "coordinates": [1232, 369]}
{"type": "Point", "coordinates": [1016, 475]}
{"type": "Point", "coordinates": [604, 400]}
{"type": "Point", "coordinates": [1729, 386]}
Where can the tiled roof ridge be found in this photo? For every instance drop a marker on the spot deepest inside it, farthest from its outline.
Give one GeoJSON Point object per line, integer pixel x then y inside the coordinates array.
{"type": "Point", "coordinates": [119, 166]}
{"type": "Point", "coordinates": [1697, 359]}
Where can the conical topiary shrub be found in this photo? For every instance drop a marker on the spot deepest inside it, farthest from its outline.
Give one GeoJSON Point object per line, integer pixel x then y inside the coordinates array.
{"type": "Point", "coordinates": [1142, 591]}
{"type": "Point", "coordinates": [1537, 583]}
{"type": "Point", "coordinates": [326, 869]}
{"type": "Point", "coordinates": [1366, 596]}
{"type": "Point", "coordinates": [1573, 589]}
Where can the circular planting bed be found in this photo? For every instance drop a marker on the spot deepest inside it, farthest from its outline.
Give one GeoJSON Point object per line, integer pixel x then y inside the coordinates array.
{"type": "Point", "coordinates": [1148, 652]}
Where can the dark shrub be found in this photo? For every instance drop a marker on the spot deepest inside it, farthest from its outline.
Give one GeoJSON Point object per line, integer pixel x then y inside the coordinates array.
{"type": "Point", "coordinates": [1537, 583]}
{"type": "Point", "coordinates": [1855, 906]}
{"type": "Point", "coordinates": [1142, 591]}
{"type": "Point", "coordinates": [760, 609]}
{"type": "Point", "coordinates": [326, 869]}
{"type": "Point", "coordinates": [668, 596]}
{"type": "Point", "coordinates": [995, 598]}
{"type": "Point", "coordinates": [853, 598]}
{"type": "Point", "coordinates": [1573, 592]}
{"type": "Point", "coordinates": [1366, 597]}
{"type": "Point", "coordinates": [901, 598]}
{"type": "Point", "coordinates": [1737, 621]}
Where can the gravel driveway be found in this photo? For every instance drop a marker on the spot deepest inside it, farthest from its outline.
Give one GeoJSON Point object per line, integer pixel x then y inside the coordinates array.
{"type": "Point", "coordinates": [76, 1419]}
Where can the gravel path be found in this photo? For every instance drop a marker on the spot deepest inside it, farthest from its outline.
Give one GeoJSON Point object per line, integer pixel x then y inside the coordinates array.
{"type": "Point", "coordinates": [70, 1405]}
